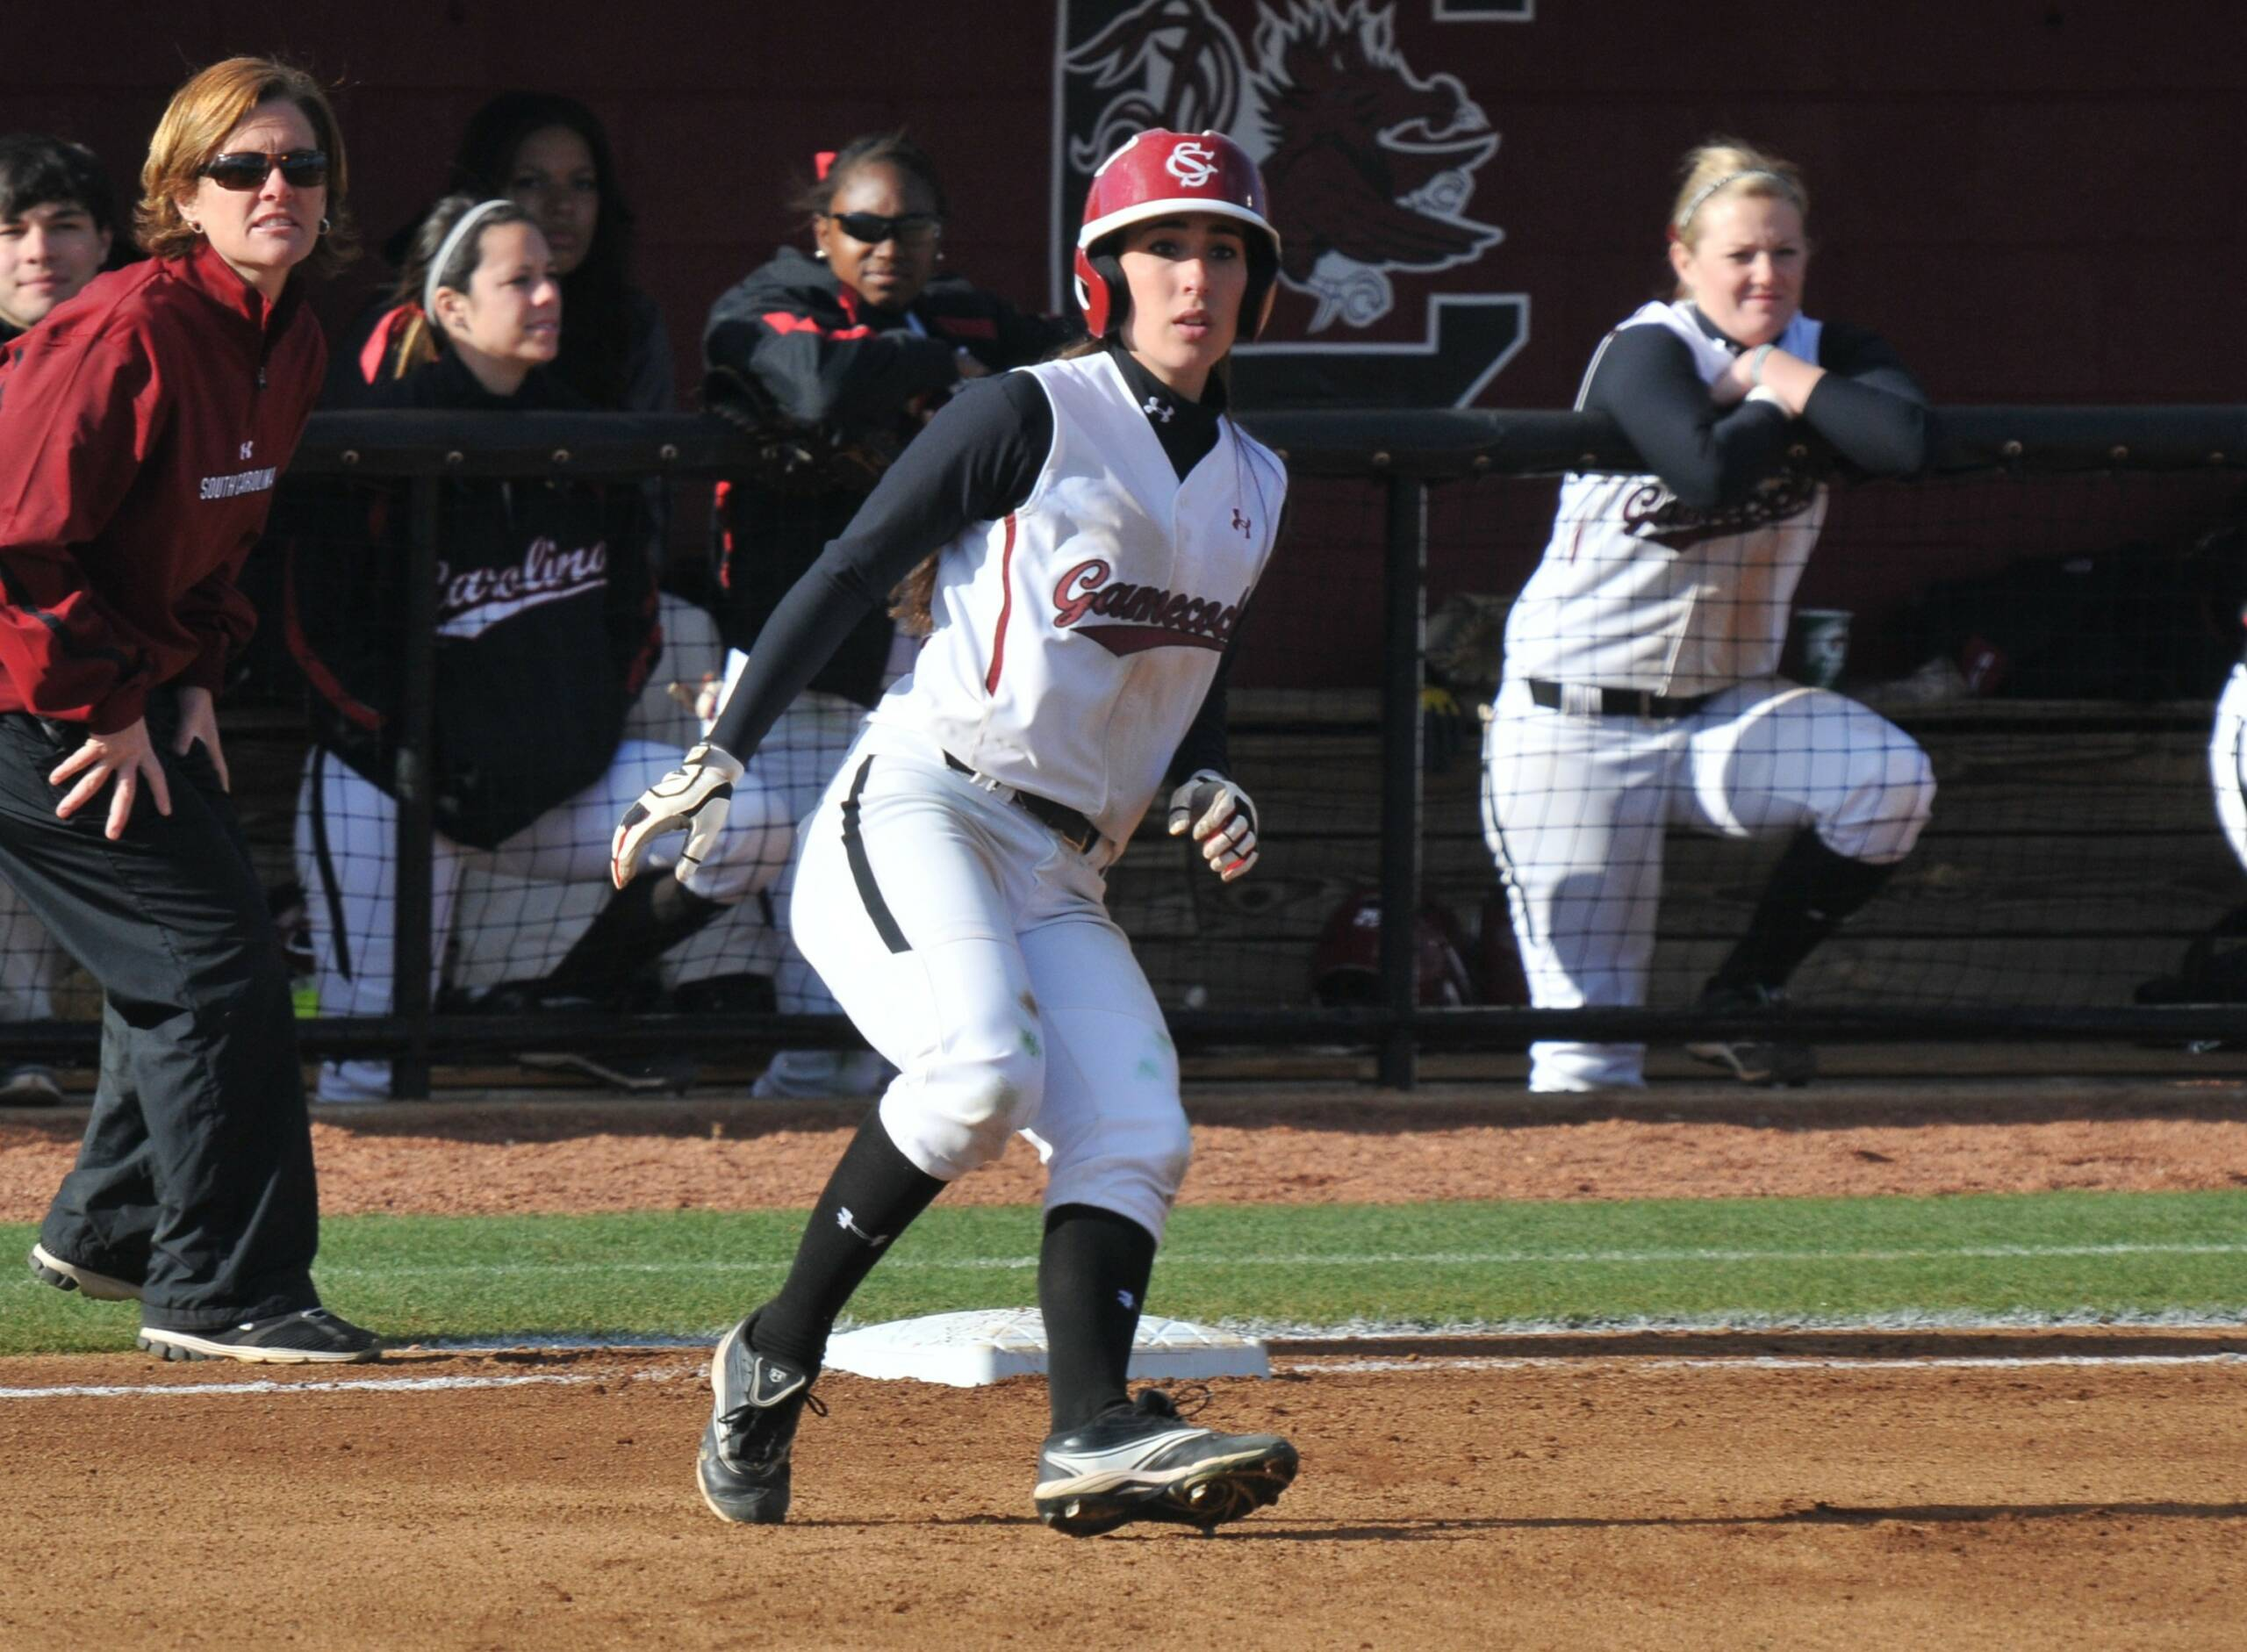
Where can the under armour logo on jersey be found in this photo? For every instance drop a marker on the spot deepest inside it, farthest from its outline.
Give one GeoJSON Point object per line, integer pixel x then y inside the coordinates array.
{"type": "Point", "coordinates": [1125, 1299]}
{"type": "Point", "coordinates": [842, 1220]}
{"type": "Point", "coordinates": [1242, 523]}
{"type": "Point", "coordinates": [1155, 407]}
{"type": "Point", "coordinates": [249, 449]}
{"type": "Point", "coordinates": [1192, 164]}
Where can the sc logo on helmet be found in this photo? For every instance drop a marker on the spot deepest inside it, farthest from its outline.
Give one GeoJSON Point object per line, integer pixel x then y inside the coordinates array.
{"type": "Point", "coordinates": [1192, 164]}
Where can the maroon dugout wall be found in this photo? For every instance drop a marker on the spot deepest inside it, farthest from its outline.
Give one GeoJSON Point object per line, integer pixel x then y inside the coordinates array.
{"type": "Point", "coordinates": [2037, 199]}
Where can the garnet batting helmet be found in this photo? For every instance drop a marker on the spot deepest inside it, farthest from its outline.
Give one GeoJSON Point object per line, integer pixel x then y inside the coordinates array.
{"type": "Point", "coordinates": [1159, 172]}
{"type": "Point", "coordinates": [1345, 968]}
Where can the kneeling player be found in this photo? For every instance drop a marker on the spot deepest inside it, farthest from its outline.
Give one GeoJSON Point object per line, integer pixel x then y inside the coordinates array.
{"type": "Point", "coordinates": [1640, 689]}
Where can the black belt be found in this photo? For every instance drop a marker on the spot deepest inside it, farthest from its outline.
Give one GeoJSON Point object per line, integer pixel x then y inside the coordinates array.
{"type": "Point", "coordinates": [1625, 702]}
{"type": "Point", "coordinates": [1076, 831]}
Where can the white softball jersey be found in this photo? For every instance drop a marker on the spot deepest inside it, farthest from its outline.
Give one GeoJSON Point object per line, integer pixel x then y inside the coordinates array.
{"type": "Point", "coordinates": [1638, 589]}
{"type": "Point", "coordinates": [1076, 637]}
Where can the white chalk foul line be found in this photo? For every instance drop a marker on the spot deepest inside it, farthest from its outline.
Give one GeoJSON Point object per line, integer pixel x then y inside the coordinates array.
{"type": "Point", "coordinates": [1749, 1362]}
{"type": "Point", "coordinates": [1319, 1259]}
{"type": "Point", "coordinates": [365, 1384]}
{"type": "Point", "coordinates": [1428, 1365]}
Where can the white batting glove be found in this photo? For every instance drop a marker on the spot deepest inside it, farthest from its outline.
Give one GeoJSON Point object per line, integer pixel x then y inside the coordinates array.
{"type": "Point", "coordinates": [692, 798]}
{"type": "Point", "coordinates": [1222, 819]}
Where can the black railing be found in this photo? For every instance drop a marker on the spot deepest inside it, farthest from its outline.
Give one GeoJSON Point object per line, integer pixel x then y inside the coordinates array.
{"type": "Point", "coordinates": [1407, 455]}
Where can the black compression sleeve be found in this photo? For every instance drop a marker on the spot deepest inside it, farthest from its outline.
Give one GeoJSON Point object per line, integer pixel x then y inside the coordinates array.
{"type": "Point", "coordinates": [1206, 743]}
{"type": "Point", "coordinates": [1645, 379]}
{"type": "Point", "coordinates": [1868, 406]}
{"type": "Point", "coordinates": [977, 460]}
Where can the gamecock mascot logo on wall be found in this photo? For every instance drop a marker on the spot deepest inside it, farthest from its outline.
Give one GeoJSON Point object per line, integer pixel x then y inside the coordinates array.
{"type": "Point", "coordinates": [1371, 169]}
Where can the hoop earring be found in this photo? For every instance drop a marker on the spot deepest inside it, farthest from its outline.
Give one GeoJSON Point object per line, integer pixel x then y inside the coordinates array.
{"type": "Point", "coordinates": [325, 226]}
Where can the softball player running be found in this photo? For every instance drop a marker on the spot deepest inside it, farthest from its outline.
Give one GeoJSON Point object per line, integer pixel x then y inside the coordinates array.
{"type": "Point", "coordinates": [1639, 690]}
{"type": "Point", "coordinates": [1081, 536]}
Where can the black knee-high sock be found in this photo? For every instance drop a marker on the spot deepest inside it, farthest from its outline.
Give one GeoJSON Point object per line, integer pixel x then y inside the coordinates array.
{"type": "Point", "coordinates": [1092, 1278]}
{"type": "Point", "coordinates": [1812, 891]}
{"type": "Point", "coordinates": [872, 1198]}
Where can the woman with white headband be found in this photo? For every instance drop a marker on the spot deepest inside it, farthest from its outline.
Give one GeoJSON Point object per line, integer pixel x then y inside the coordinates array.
{"type": "Point", "coordinates": [1641, 689]}
{"type": "Point", "coordinates": [545, 631]}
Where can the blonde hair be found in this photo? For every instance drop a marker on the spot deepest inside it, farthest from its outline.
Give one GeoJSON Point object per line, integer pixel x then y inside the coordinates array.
{"type": "Point", "coordinates": [1728, 167]}
{"type": "Point", "coordinates": [213, 103]}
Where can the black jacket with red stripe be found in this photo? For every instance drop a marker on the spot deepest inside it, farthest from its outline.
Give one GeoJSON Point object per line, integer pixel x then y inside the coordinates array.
{"type": "Point", "coordinates": [826, 357]}
{"type": "Point", "coordinates": [547, 623]}
{"type": "Point", "coordinates": [142, 425]}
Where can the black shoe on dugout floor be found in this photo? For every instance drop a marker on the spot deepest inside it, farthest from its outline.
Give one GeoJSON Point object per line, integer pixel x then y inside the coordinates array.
{"type": "Point", "coordinates": [1752, 1060]}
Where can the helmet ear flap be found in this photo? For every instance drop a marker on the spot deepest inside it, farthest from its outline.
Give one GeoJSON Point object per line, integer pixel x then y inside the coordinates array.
{"type": "Point", "coordinates": [1103, 292]}
{"type": "Point", "coordinates": [1110, 269]}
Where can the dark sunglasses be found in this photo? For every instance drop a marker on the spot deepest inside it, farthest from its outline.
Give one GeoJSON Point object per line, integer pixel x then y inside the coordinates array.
{"type": "Point", "coordinates": [874, 229]}
{"type": "Point", "coordinates": [248, 169]}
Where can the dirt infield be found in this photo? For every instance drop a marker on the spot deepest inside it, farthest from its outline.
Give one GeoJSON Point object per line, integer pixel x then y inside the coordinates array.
{"type": "Point", "coordinates": [1559, 1503]}
{"type": "Point", "coordinates": [513, 1152]}
{"type": "Point", "coordinates": [2016, 1490]}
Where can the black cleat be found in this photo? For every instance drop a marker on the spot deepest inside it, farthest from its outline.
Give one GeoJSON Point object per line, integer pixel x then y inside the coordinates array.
{"type": "Point", "coordinates": [1752, 1060]}
{"type": "Point", "coordinates": [309, 1336]}
{"type": "Point", "coordinates": [50, 1269]}
{"type": "Point", "coordinates": [1146, 1463]}
{"type": "Point", "coordinates": [743, 1466]}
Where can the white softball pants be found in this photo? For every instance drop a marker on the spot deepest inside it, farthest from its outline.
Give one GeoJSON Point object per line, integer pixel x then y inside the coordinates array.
{"type": "Point", "coordinates": [2227, 761]}
{"type": "Point", "coordinates": [1574, 804]}
{"type": "Point", "coordinates": [568, 844]}
{"type": "Point", "coordinates": [974, 950]}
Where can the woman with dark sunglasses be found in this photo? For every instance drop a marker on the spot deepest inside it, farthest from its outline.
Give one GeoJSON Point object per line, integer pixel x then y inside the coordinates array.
{"type": "Point", "coordinates": [837, 358]}
{"type": "Point", "coordinates": [142, 424]}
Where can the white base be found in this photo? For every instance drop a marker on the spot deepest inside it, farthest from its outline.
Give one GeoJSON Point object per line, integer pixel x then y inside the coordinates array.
{"type": "Point", "coordinates": [987, 1344]}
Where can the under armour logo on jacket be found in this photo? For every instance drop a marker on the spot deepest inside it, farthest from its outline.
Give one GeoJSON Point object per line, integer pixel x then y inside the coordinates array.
{"type": "Point", "coordinates": [842, 1220]}
{"type": "Point", "coordinates": [1241, 522]}
{"type": "Point", "coordinates": [1154, 407]}
{"type": "Point", "coordinates": [249, 449]}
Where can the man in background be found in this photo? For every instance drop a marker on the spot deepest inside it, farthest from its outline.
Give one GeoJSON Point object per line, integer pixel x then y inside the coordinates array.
{"type": "Point", "coordinates": [58, 223]}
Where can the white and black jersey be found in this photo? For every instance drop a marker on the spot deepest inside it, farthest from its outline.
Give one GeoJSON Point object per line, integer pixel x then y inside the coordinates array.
{"type": "Point", "coordinates": [1678, 581]}
{"type": "Point", "coordinates": [1099, 538]}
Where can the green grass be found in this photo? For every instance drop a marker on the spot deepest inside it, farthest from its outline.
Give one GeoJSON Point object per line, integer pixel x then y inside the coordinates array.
{"type": "Point", "coordinates": [1747, 1262]}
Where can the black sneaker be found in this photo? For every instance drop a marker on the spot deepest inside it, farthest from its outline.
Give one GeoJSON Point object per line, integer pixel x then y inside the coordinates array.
{"type": "Point", "coordinates": [1752, 1060]}
{"type": "Point", "coordinates": [756, 1400]}
{"type": "Point", "coordinates": [309, 1336]}
{"type": "Point", "coordinates": [1146, 1462]}
{"type": "Point", "coordinates": [50, 1269]}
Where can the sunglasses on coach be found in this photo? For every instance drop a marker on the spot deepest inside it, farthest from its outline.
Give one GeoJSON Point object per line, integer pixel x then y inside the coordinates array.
{"type": "Point", "coordinates": [245, 169]}
{"type": "Point", "coordinates": [874, 229]}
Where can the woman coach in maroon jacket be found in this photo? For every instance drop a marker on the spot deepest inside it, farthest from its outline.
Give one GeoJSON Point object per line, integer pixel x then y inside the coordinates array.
{"type": "Point", "coordinates": [142, 426]}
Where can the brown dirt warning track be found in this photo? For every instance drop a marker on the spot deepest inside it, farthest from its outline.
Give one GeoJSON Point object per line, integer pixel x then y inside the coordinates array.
{"type": "Point", "coordinates": [2074, 1488]}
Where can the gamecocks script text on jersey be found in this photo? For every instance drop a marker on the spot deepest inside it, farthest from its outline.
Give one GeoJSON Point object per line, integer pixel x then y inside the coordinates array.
{"type": "Point", "coordinates": [1139, 616]}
